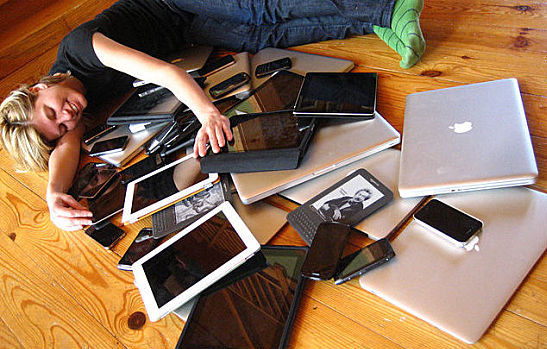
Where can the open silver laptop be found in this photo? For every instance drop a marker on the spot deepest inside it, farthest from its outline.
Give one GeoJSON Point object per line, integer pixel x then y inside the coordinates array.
{"type": "Point", "coordinates": [333, 146]}
{"type": "Point", "coordinates": [465, 138]}
{"type": "Point", "coordinates": [385, 167]}
{"type": "Point", "coordinates": [462, 292]}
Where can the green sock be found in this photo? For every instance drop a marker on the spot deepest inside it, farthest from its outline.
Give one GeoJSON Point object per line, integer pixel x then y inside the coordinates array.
{"type": "Point", "coordinates": [405, 35]}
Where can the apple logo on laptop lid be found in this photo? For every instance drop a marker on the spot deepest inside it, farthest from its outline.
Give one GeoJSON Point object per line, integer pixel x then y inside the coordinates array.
{"type": "Point", "coordinates": [463, 127]}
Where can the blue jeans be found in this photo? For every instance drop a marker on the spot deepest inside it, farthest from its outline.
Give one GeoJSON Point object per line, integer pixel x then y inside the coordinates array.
{"type": "Point", "coordinates": [251, 25]}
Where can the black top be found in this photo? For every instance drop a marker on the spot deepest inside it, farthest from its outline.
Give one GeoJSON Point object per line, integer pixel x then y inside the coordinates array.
{"type": "Point", "coordinates": [149, 26]}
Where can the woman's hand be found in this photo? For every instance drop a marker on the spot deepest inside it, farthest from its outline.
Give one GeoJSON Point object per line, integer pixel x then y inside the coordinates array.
{"type": "Point", "coordinates": [67, 213]}
{"type": "Point", "coordinates": [214, 131]}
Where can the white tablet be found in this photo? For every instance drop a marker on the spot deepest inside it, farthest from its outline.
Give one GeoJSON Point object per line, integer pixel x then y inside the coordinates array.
{"type": "Point", "coordinates": [163, 187]}
{"type": "Point", "coordinates": [192, 260]}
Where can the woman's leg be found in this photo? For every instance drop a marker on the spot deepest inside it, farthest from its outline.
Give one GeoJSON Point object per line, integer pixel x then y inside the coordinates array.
{"type": "Point", "coordinates": [252, 38]}
{"type": "Point", "coordinates": [259, 12]}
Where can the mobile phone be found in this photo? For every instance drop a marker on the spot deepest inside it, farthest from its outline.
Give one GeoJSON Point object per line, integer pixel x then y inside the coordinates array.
{"type": "Point", "coordinates": [273, 66]}
{"type": "Point", "coordinates": [325, 251]}
{"type": "Point", "coordinates": [229, 85]}
{"type": "Point", "coordinates": [109, 146]}
{"type": "Point", "coordinates": [106, 234]}
{"type": "Point", "coordinates": [363, 260]}
{"type": "Point", "coordinates": [143, 243]}
{"type": "Point", "coordinates": [97, 132]}
{"type": "Point", "coordinates": [456, 226]}
{"type": "Point", "coordinates": [213, 66]}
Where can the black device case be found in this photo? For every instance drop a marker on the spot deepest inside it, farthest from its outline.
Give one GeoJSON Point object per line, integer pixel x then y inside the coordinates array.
{"type": "Point", "coordinates": [272, 159]}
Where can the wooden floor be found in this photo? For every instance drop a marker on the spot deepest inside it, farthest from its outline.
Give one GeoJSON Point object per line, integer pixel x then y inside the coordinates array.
{"type": "Point", "coordinates": [58, 289]}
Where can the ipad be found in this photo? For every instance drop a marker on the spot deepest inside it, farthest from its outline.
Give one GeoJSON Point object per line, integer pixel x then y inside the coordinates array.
{"type": "Point", "coordinates": [192, 260]}
{"type": "Point", "coordinates": [92, 179]}
{"type": "Point", "coordinates": [348, 201]}
{"type": "Point", "coordinates": [262, 142]}
{"type": "Point", "coordinates": [163, 187]}
{"type": "Point", "coordinates": [340, 95]}
{"type": "Point", "coordinates": [252, 307]}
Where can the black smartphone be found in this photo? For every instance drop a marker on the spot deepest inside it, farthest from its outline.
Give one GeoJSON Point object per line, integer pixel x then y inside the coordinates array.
{"type": "Point", "coordinates": [363, 260]}
{"type": "Point", "coordinates": [213, 66]}
{"type": "Point", "coordinates": [273, 66]}
{"type": "Point", "coordinates": [450, 223]}
{"type": "Point", "coordinates": [106, 234]}
{"type": "Point", "coordinates": [229, 85]}
{"type": "Point", "coordinates": [97, 132]}
{"type": "Point", "coordinates": [143, 243]}
{"type": "Point", "coordinates": [325, 251]}
{"type": "Point", "coordinates": [109, 146]}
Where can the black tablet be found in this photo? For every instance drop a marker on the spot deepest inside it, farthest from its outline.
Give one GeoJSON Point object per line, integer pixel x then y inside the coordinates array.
{"type": "Point", "coordinates": [267, 136]}
{"type": "Point", "coordinates": [232, 314]}
{"type": "Point", "coordinates": [161, 105]}
{"type": "Point", "coordinates": [348, 201]}
{"type": "Point", "coordinates": [337, 95]}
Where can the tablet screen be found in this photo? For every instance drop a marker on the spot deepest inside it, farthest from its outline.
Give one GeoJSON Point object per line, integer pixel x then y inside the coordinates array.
{"type": "Point", "coordinates": [337, 93]}
{"type": "Point", "coordinates": [191, 258]}
{"type": "Point", "coordinates": [255, 310]}
{"type": "Point", "coordinates": [278, 93]}
{"type": "Point", "coordinates": [267, 131]}
{"type": "Point", "coordinates": [166, 183]}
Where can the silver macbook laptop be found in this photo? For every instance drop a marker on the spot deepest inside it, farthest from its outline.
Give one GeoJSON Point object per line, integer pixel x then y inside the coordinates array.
{"type": "Point", "coordinates": [385, 167]}
{"type": "Point", "coordinates": [465, 138]}
{"type": "Point", "coordinates": [333, 146]}
{"type": "Point", "coordinates": [462, 292]}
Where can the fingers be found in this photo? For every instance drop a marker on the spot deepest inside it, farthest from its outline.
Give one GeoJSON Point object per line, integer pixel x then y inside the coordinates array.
{"type": "Point", "coordinates": [68, 214]}
{"type": "Point", "coordinates": [214, 135]}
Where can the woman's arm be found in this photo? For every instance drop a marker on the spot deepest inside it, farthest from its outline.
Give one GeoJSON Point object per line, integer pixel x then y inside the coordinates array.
{"type": "Point", "coordinates": [65, 212]}
{"type": "Point", "coordinates": [140, 65]}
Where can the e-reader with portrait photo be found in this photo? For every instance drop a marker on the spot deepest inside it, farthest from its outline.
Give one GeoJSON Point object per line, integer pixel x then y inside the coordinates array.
{"type": "Point", "coordinates": [337, 95]}
{"type": "Point", "coordinates": [165, 186]}
{"type": "Point", "coordinates": [192, 260]}
{"type": "Point", "coordinates": [348, 201]}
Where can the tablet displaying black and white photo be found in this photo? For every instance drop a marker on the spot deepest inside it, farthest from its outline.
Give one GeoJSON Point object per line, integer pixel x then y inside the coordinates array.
{"type": "Point", "coordinates": [337, 95]}
{"type": "Point", "coordinates": [193, 260]}
{"type": "Point", "coordinates": [165, 186]}
{"type": "Point", "coordinates": [348, 201]}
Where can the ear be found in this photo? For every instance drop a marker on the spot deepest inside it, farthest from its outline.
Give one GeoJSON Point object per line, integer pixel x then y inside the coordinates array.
{"type": "Point", "coordinates": [37, 87]}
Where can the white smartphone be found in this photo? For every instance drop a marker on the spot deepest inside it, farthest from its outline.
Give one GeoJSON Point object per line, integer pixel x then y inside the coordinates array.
{"type": "Point", "coordinates": [192, 260]}
{"type": "Point", "coordinates": [456, 226]}
{"type": "Point", "coordinates": [163, 187]}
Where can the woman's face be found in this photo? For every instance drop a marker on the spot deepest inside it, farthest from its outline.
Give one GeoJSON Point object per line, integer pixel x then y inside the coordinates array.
{"type": "Point", "coordinates": [58, 108]}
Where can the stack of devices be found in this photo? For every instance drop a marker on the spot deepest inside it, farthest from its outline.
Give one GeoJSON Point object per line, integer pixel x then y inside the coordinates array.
{"type": "Point", "coordinates": [266, 135]}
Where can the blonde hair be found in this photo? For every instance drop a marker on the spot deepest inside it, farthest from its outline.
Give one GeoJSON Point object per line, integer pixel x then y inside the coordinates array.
{"type": "Point", "coordinates": [18, 136]}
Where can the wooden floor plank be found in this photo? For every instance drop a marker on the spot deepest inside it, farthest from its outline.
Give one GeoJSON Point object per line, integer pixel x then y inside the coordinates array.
{"type": "Point", "coordinates": [7, 338]}
{"type": "Point", "coordinates": [83, 268]}
{"type": "Point", "coordinates": [39, 312]}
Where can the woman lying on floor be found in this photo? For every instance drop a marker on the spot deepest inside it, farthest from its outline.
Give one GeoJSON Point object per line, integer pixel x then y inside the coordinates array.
{"type": "Point", "coordinates": [41, 125]}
